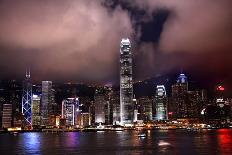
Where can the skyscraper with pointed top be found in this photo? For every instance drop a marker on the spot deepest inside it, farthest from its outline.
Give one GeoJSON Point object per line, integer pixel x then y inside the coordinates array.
{"type": "Point", "coordinates": [27, 99]}
{"type": "Point", "coordinates": [126, 85]}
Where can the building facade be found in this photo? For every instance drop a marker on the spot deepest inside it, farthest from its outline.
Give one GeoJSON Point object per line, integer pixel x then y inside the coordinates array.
{"type": "Point", "coordinates": [70, 110]}
{"type": "Point", "coordinates": [126, 85]}
{"type": "Point", "coordinates": [47, 100]}
{"type": "Point", "coordinates": [144, 106]}
{"type": "Point", "coordinates": [35, 110]}
{"type": "Point", "coordinates": [27, 100]}
{"type": "Point", "coordinates": [160, 103]}
{"type": "Point", "coordinates": [179, 107]}
{"type": "Point", "coordinates": [7, 116]}
{"type": "Point", "coordinates": [100, 103]}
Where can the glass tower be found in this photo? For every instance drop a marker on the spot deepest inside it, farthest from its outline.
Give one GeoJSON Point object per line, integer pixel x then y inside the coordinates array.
{"type": "Point", "coordinates": [27, 100]}
{"type": "Point", "coordinates": [126, 85]}
{"type": "Point", "coordinates": [161, 103]}
{"type": "Point", "coordinates": [46, 101]}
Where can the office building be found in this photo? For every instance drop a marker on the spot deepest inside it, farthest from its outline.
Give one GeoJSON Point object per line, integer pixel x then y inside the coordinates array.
{"type": "Point", "coordinates": [100, 101]}
{"type": "Point", "coordinates": [178, 106]}
{"type": "Point", "coordinates": [144, 108]}
{"type": "Point", "coordinates": [47, 102]}
{"type": "Point", "coordinates": [27, 100]}
{"type": "Point", "coordinates": [70, 110]}
{"type": "Point", "coordinates": [35, 110]}
{"type": "Point", "coordinates": [126, 85]}
{"type": "Point", "coordinates": [160, 103]}
{"type": "Point", "coordinates": [7, 116]}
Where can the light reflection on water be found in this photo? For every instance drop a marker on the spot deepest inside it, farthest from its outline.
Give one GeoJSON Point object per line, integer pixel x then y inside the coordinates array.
{"type": "Point", "coordinates": [30, 142]}
{"type": "Point", "coordinates": [127, 142]}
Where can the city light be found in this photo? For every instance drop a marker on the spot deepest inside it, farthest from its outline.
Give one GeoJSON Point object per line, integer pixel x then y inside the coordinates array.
{"type": "Point", "coordinates": [220, 88]}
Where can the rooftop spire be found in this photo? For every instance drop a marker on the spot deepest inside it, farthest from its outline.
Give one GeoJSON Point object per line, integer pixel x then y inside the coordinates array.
{"type": "Point", "coordinates": [28, 73]}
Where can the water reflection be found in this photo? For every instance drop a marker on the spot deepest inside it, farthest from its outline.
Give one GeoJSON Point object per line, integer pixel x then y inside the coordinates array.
{"type": "Point", "coordinates": [224, 141]}
{"type": "Point", "coordinates": [72, 139]}
{"type": "Point", "coordinates": [31, 143]}
{"type": "Point", "coordinates": [126, 142]}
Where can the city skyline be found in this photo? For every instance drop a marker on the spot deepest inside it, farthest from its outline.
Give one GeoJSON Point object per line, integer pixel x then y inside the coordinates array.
{"type": "Point", "coordinates": [115, 77]}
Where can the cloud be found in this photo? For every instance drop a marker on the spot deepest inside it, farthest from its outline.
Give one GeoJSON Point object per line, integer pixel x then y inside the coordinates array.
{"type": "Point", "coordinates": [79, 39]}
{"type": "Point", "coordinates": [196, 36]}
{"type": "Point", "coordinates": [75, 37]}
{"type": "Point", "coordinates": [194, 26]}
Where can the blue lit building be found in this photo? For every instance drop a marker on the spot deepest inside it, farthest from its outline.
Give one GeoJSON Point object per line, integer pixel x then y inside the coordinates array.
{"type": "Point", "coordinates": [179, 105]}
{"type": "Point", "coordinates": [27, 100]}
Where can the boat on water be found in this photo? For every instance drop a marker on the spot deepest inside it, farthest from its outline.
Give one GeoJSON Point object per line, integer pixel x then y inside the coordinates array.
{"type": "Point", "coordinates": [163, 143]}
{"type": "Point", "coordinates": [141, 135]}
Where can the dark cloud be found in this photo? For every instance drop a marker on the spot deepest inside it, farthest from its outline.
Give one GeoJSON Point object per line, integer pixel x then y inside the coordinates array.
{"type": "Point", "coordinates": [79, 39]}
{"type": "Point", "coordinates": [196, 36]}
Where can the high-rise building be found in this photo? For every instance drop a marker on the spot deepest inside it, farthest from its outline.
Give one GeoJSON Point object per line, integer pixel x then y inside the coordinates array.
{"type": "Point", "coordinates": [160, 103]}
{"type": "Point", "coordinates": [178, 106]}
{"type": "Point", "coordinates": [7, 116]}
{"type": "Point", "coordinates": [144, 108]}
{"type": "Point", "coordinates": [194, 104]}
{"type": "Point", "coordinates": [126, 85]}
{"type": "Point", "coordinates": [115, 102]}
{"type": "Point", "coordinates": [27, 100]}
{"type": "Point", "coordinates": [70, 110]}
{"type": "Point", "coordinates": [47, 100]}
{"type": "Point", "coordinates": [99, 103]}
{"type": "Point", "coordinates": [35, 110]}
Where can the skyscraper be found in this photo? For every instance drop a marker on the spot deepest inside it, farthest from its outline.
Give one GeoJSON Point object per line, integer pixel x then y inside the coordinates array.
{"type": "Point", "coordinates": [46, 101]}
{"type": "Point", "coordinates": [115, 102]}
{"type": "Point", "coordinates": [35, 110]}
{"type": "Point", "coordinates": [126, 85]}
{"type": "Point", "coordinates": [160, 103]}
{"type": "Point", "coordinates": [100, 101]}
{"type": "Point", "coordinates": [7, 116]}
{"type": "Point", "coordinates": [179, 107]}
{"type": "Point", "coordinates": [70, 109]}
{"type": "Point", "coordinates": [144, 108]}
{"type": "Point", "coordinates": [27, 100]}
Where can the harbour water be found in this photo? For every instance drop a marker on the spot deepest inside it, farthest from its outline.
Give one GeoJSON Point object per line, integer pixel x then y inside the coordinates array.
{"type": "Point", "coordinates": [119, 143]}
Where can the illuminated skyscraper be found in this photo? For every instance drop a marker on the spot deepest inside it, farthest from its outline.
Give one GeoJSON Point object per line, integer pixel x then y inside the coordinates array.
{"type": "Point", "coordinates": [115, 102]}
{"type": "Point", "coordinates": [126, 85]}
{"type": "Point", "coordinates": [179, 105]}
{"type": "Point", "coordinates": [7, 116]}
{"type": "Point", "coordinates": [70, 109]}
{"type": "Point", "coordinates": [35, 110]}
{"type": "Point", "coordinates": [161, 103]}
{"type": "Point", "coordinates": [100, 101]}
{"type": "Point", "coordinates": [27, 100]}
{"type": "Point", "coordinates": [46, 101]}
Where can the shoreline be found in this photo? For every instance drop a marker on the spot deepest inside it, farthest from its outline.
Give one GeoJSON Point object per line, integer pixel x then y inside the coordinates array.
{"type": "Point", "coordinates": [103, 130]}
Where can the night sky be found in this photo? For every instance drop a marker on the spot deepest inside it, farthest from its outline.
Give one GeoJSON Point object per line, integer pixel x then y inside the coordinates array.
{"type": "Point", "coordinates": [78, 40]}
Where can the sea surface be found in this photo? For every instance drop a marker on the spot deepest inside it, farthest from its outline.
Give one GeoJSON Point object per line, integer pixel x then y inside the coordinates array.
{"type": "Point", "coordinates": [158, 142]}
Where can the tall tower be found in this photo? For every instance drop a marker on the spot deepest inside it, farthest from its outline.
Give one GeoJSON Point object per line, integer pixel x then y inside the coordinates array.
{"type": "Point", "coordinates": [161, 103]}
{"type": "Point", "coordinates": [179, 97]}
{"type": "Point", "coordinates": [27, 99]}
{"type": "Point", "coordinates": [46, 102]}
{"type": "Point", "coordinates": [126, 85]}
